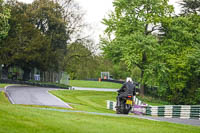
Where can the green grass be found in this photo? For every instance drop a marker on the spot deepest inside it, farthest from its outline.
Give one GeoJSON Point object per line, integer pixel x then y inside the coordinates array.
{"type": "Point", "coordinates": [2, 85]}
{"type": "Point", "coordinates": [93, 101]}
{"type": "Point", "coordinates": [94, 84]}
{"type": "Point", "coordinates": [108, 96]}
{"type": "Point", "coordinates": [153, 101]}
{"type": "Point", "coordinates": [44, 84]}
{"type": "Point", "coordinates": [3, 98]}
{"type": "Point", "coordinates": [20, 119]}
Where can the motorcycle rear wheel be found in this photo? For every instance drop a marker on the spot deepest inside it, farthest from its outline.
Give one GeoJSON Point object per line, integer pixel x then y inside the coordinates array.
{"type": "Point", "coordinates": [127, 108]}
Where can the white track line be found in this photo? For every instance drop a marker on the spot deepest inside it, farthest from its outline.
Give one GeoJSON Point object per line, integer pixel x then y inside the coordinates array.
{"type": "Point", "coordinates": [60, 100]}
{"type": "Point", "coordinates": [9, 97]}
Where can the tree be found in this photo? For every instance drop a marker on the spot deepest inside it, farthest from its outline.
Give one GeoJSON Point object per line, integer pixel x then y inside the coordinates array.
{"type": "Point", "coordinates": [4, 16]}
{"type": "Point", "coordinates": [47, 17]}
{"type": "Point", "coordinates": [25, 46]}
{"type": "Point", "coordinates": [132, 24]}
{"type": "Point", "coordinates": [181, 48]}
{"type": "Point", "coordinates": [73, 16]}
{"type": "Point", "coordinates": [190, 6]}
{"type": "Point", "coordinates": [80, 60]}
{"type": "Point", "coordinates": [60, 21]}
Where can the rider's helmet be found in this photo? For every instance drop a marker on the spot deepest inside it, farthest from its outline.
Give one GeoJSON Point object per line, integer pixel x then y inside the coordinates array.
{"type": "Point", "coordinates": [129, 79]}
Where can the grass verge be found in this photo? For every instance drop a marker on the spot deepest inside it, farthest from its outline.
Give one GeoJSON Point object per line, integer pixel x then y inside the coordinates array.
{"type": "Point", "coordinates": [153, 101]}
{"type": "Point", "coordinates": [48, 84]}
{"type": "Point", "coordinates": [94, 84]}
{"type": "Point", "coordinates": [93, 101]}
{"type": "Point", "coordinates": [2, 85]}
{"type": "Point", "coordinates": [107, 96]}
{"type": "Point", "coordinates": [20, 119]}
{"type": "Point", "coordinates": [3, 98]}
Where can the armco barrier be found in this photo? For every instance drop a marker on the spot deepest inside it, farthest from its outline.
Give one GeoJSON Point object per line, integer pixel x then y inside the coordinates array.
{"type": "Point", "coordinates": [111, 105]}
{"type": "Point", "coordinates": [33, 83]}
{"type": "Point", "coordinates": [107, 80]}
{"type": "Point", "coordinates": [175, 111]}
{"type": "Point", "coordinates": [168, 111]}
{"type": "Point", "coordinates": [139, 107]}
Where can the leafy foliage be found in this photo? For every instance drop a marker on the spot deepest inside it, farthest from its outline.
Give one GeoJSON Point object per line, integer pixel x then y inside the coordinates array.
{"type": "Point", "coordinates": [132, 23]}
{"type": "Point", "coordinates": [24, 46]}
{"type": "Point", "coordinates": [168, 59]}
{"type": "Point", "coordinates": [190, 6]}
{"type": "Point", "coordinates": [39, 34]}
{"type": "Point", "coordinates": [47, 17]}
{"type": "Point", "coordinates": [4, 16]}
{"type": "Point", "coordinates": [181, 48]}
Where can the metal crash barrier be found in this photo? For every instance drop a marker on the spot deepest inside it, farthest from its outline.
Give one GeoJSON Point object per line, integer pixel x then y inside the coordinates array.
{"type": "Point", "coordinates": [168, 111]}
{"type": "Point", "coordinates": [138, 108]}
{"type": "Point", "coordinates": [175, 111]}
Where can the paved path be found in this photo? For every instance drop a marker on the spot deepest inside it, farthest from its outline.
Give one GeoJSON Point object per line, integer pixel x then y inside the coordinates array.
{"type": "Point", "coordinates": [29, 95]}
{"type": "Point", "coordinates": [94, 89]}
{"type": "Point", "coordinates": [40, 96]}
{"type": "Point", "coordinates": [1, 89]}
{"type": "Point", "coordinates": [171, 120]}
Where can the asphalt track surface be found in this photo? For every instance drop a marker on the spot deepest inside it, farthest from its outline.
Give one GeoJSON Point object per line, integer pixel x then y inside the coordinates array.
{"type": "Point", "coordinates": [29, 95]}
{"type": "Point", "coordinates": [94, 89]}
{"type": "Point", "coordinates": [171, 120]}
{"type": "Point", "coordinates": [162, 119]}
{"type": "Point", "coordinates": [39, 96]}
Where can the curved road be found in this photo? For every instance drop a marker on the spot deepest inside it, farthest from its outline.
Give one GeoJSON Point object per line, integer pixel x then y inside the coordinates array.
{"type": "Point", "coordinates": [171, 120]}
{"type": "Point", "coordinates": [29, 95]}
{"type": "Point", "coordinates": [94, 89]}
{"type": "Point", "coordinates": [40, 96]}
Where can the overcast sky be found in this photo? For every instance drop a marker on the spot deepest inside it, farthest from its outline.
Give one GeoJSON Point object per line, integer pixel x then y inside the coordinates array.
{"type": "Point", "coordinates": [96, 10]}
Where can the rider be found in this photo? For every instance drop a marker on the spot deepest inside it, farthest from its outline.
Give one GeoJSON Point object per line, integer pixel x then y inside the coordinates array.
{"type": "Point", "coordinates": [128, 88]}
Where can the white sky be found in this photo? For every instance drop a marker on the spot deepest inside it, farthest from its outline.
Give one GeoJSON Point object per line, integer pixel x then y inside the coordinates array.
{"type": "Point", "coordinates": [96, 10]}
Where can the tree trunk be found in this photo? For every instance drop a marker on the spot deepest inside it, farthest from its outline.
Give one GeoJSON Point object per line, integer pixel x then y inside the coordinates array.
{"type": "Point", "coordinates": [26, 75]}
{"type": "Point", "coordinates": [5, 72]}
{"type": "Point", "coordinates": [142, 85]}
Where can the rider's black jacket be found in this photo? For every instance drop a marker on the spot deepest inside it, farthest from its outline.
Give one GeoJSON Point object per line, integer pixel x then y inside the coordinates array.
{"type": "Point", "coordinates": [128, 88]}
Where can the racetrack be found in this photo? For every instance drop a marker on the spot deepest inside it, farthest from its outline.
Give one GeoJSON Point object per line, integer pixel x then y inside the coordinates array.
{"type": "Point", "coordinates": [94, 89]}
{"type": "Point", "coordinates": [171, 120]}
{"type": "Point", "coordinates": [29, 95]}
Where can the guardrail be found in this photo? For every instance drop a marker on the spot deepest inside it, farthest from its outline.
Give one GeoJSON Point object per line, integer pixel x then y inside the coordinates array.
{"type": "Point", "coordinates": [175, 111]}
{"type": "Point", "coordinates": [39, 84]}
{"type": "Point", "coordinates": [138, 107]}
{"type": "Point", "coordinates": [168, 111]}
{"type": "Point", "coordinates": [107, 80]}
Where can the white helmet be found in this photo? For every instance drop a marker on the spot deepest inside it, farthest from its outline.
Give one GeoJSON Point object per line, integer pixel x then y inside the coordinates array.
{"type": "Point", "coordinates": [129, 79]}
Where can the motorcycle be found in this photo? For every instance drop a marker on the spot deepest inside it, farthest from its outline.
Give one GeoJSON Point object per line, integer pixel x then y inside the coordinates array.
{"type": "Point", "coordinates": [125, 104]}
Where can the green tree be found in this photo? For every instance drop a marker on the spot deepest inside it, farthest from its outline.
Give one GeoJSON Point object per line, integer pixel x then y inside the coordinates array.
{"type": "Point", "coordinates": [80, 60]}
{"type": "Point", "coordinates": [47, 16]}
{"type": "Point", "coordinates": [190, 6]}
{"type": "Point", "coordinates": [181, 46]}
{"type": "Point", "coordinates": [25, 46]}
{"type": "Point", "coordinates": [132, 24]}
{"type": "Point", "coordinates": [4, 16]}
{"type": "Point", "coordinates": [61, 22]}
{"type": "Point", "coordinates": [40, 33]}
